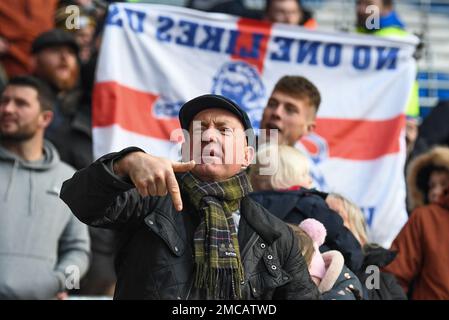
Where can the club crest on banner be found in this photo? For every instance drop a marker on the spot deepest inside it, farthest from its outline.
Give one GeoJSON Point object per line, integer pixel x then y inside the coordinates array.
{"type": "Point", "coordinates": [317, 149]}
{"type": "Point", "coordinates": [240, 82]}
{"type": "Point", "coordinates": [165, 109]}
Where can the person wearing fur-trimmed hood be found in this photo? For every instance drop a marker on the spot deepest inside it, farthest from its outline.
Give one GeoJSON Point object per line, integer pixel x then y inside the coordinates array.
{"type": "Point", "coordinates": [428, 177]}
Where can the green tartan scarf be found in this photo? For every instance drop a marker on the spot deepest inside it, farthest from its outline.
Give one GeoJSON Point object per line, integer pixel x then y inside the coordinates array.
{"type": "Point", "coordinates": [218, 265]}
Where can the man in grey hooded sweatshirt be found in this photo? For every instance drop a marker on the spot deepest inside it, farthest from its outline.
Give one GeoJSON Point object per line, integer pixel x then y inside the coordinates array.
{"type": "Point", "coordinates": [44, 249]}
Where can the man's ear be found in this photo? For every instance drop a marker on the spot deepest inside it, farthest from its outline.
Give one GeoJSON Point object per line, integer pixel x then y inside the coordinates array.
{"type": "Point", "coordinates": [47, 117]}
{"type": "Point", "coordinates": [249, 156]}
{"type": "Point", "coordinates": [311, 126]}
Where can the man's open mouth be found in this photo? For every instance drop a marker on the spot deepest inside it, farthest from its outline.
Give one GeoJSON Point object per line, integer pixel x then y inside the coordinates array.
{"type": "Point", "coordinates": [207, 159]}
{"type": "Point", "coordinates": [272, 126]}
{"type": "Point", "coordinates": [212, 156]}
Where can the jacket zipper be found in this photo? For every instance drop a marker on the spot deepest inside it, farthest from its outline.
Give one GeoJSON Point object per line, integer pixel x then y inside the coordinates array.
{"type": "Point", "coordinates": [250, 244]}
{"type": "Point", "coordinates": [190, 288]}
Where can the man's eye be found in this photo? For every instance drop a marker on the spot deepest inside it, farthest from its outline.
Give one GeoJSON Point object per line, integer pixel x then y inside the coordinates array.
{"type": "Point", "coordinates": [291, 110]}
{"type": "Point", "coordinates": [272, 104]}
{"type": "Point", "coordinates": [226, 131]}
{"type": "Point", "coordinates": [21, 104]}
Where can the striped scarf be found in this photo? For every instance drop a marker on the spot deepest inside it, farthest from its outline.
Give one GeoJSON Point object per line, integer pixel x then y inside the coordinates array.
{"type": "Point", "coordinates": [218, 266]}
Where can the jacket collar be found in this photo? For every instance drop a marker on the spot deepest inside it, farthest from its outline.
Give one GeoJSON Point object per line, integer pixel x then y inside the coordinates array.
{"type": "Point", "coordinates": [255, 219]}
{"type": "Point", "coordinates": [334, 262]}
{"type": "Point", "coordinates": [258, 218]}
{"type": "Point", "coordinates": [281, 203]}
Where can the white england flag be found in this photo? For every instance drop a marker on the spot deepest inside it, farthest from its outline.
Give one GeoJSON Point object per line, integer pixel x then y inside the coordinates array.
{"type": "Point", "coordinates": [154, 58]}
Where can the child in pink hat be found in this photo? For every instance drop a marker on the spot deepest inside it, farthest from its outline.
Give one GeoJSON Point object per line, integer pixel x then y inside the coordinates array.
{"type": "Point", "coordinates": [334, 280]}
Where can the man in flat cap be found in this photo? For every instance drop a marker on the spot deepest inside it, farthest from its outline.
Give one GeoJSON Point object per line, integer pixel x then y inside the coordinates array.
{"type": "Point", "coordinates": [189, 230]}
{"type": "Point", "coordinates": [55, 60]}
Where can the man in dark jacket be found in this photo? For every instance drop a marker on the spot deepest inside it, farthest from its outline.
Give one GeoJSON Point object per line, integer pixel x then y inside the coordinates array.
{"type": "Point", "coordinates": [207, 239]}
{"type": "Point", "coordinates": [55, 60]}
{"type": "Point", "coordinates": [296, 206]}
{"type": "Point", "coordinates": [56, 56]}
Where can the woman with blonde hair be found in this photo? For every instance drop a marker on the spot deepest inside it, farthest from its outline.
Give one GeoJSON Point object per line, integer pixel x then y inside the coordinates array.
{"type": "Point", "coordinates": [352, 216]}
{"type": "Point", "coordinates": [282, 181]}
{"type": "Point", "coordinates": [280, 168]}
{"type": "Point", "coordinates": [374, 255]}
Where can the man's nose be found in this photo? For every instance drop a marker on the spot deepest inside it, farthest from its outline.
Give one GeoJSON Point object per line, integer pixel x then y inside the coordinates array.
{"type": "Point", "coordinates": [285, 18]}
{"type": "Point", "coordinates": [65, 54]}
{"type": "Point", "coordinates": [277, 112]}
{"type": "Point", "coordinates": [438, 190]}
{"type": "Point", "coordinates": [211, 134]}
{"type": "Point", "coordinates": [7, 107]}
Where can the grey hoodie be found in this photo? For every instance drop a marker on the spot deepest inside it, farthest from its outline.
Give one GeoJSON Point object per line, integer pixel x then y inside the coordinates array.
{"type": "Point", "coordinates": [41, 242]}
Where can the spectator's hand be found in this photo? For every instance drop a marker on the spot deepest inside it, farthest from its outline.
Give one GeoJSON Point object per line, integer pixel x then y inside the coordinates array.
{"type": "Point", "coordinates": [4, 46]}
{"type": "Point", "coordinates": [152, 175]}
{"type": "Point", "coordinates": [62, 295]}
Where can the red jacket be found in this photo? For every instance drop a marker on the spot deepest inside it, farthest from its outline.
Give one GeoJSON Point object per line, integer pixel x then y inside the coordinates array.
{"type": "Point", "coordinates": [21, 21]}
{"type": "Point", "coordinates": [423, 253]}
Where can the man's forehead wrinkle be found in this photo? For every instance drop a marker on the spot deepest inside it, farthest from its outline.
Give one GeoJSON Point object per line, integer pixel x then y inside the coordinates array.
{"type": "Point", "coordinates": [217, 119]}
{"type": "Point", "coordinates": [216, 122]}
{"type": "Point", "coordinates": [20, 94]}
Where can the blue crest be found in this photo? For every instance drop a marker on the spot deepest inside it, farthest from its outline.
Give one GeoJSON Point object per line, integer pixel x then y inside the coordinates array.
{"type": "Point", "coordinates": [166, 109]}
{"type": "Point", "coordinates": [321, 153]}
{"type": "Point", "coordinates": [240, 82]}
{"type": "Point", "coordinates": [321, 146]}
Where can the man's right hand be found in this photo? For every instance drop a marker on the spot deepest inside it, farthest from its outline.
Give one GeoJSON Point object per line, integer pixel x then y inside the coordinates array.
{"type": "Point", "coordinates": [152, 175]}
